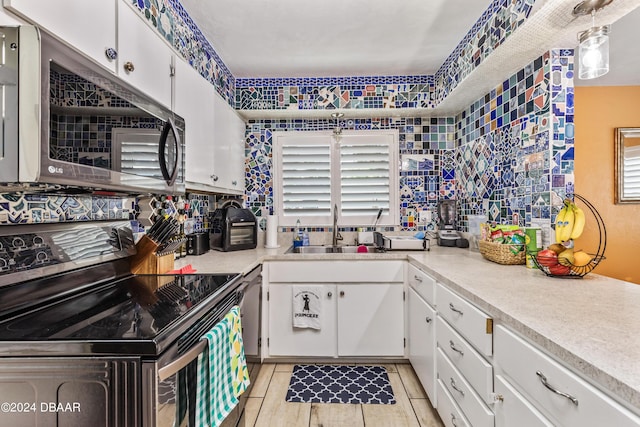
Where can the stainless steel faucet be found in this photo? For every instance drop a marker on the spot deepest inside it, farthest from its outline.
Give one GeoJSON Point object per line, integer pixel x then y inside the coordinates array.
{"type": "Point", "coordinates": [336, 235]}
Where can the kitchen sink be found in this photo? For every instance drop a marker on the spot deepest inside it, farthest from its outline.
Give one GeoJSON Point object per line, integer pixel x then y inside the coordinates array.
{"type": "Point", "coordinates": [326, 249]}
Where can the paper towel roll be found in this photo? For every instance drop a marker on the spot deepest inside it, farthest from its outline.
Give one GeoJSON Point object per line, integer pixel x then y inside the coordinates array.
{"type": "Point", "coordinates": [272, 232]}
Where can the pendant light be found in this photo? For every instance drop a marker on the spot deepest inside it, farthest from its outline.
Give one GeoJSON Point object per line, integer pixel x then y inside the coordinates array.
{"type": "Point", "coordinates": [593, 51]}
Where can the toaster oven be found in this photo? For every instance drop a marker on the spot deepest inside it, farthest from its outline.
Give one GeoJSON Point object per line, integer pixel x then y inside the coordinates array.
{"type": "Point", "coordinates": [232, 229]}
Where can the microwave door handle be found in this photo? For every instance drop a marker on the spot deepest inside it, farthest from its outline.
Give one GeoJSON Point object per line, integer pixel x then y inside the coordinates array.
{"type": "Point", "coordinates": [173, 367]}
{"type": "Point", "coordinates": [169, 129]}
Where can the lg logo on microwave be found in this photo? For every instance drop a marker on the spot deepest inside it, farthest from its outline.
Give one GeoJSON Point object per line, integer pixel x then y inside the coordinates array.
{"type": "Point", "coordinates": [53, 169]}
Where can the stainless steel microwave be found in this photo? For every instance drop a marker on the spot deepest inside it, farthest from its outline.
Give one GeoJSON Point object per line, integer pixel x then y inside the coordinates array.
{"type": "Point", "coordinates": [70, 123]}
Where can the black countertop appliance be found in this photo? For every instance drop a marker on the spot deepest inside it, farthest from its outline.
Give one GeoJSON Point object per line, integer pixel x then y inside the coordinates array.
{"type": "Point", "coordinates": [232, 228]}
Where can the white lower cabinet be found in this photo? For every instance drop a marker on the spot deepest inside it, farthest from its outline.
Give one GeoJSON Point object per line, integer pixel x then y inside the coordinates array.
{"type": "Point", "coordinates": [512, 407]}
{"type": "Point", "coordinates": [563, 397]}
{"type": "Point", "coordinates": [421, 342]}
{"type": "Point", "coordinates": [285, 340]}
{"type": "Point", "coordinates": [359, 316]}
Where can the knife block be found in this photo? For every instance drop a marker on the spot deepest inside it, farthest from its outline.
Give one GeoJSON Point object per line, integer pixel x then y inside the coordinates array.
{"type": "Point", "coordinates": [146, 261]}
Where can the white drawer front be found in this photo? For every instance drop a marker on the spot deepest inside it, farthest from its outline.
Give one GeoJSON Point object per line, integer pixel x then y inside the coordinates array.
{"type": "Point", "coordinates": [513, 409]}
{"type": "Point", "coordinates": [472, 323]}
{"type": "Point", "coordinates": [424, 284]}
{"type": "Point", "coordinates": [385, 271]}
{"type": "Point", "coordinates": [582, 406]}
{"type": "Point", "coordinates": [449, 412]}
{"type": "Point", "coordinates": [467, 399]}
{"type": "Point", "coordinates": [468, 361]}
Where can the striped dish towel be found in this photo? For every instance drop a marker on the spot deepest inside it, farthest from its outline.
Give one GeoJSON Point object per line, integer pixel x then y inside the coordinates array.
{"type": "Point", "coordinates": [222, 371]}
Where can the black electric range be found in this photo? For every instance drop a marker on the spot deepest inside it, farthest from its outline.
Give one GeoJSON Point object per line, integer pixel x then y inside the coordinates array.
{"type": "Point", "coordinates": [101, 308]}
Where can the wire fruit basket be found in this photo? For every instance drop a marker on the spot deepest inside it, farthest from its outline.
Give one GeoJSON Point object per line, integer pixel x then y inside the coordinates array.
{"type": "Point", "coordinates": [553, 267]}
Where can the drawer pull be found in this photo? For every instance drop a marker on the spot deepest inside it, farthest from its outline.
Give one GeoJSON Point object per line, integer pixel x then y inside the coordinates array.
{"type": "Point", "coordinates": [453, 421]}
{"type": "Point", "coordinates": [417, 278]}
{"type": "Point", "coordinates": [543, 379]}
{"type": "Point", "coordinates": [428, 319]}
{"type": "Point", "coordinates": [453, 347]}
{"type": "Point", "coordinates": [455, 310]}
{"type": "Point", "coordinates": [329, 294]}
{"type": "Point", "coordinates": [455, 387]}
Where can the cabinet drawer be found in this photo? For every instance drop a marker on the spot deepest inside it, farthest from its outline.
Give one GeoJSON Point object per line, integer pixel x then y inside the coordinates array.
{"type": "Point", "coordinates": [477, 371]}
{"type": "Point", "coordinates": [513, 407]}
{"type": "Point", "coordinates": [336, 271]}
{"type": "Point", "coordinates": [449, 412]}
{"type": "Point", "coordinates": [469, 321]}
{"type": "Point", "coordinates": [424, 284]}
{"type": "Point", "coordinates": [583, 405]}
{"type": "Point", "coordinates": [467, 399]}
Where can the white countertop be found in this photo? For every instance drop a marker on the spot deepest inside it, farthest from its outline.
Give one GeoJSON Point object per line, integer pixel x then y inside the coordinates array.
{"type": "Point", "coordinates": [587, 323]}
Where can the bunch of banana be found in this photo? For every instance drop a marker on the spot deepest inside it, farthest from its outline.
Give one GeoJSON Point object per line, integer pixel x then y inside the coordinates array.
{"type": "Point", "coordinates": [569, 222]}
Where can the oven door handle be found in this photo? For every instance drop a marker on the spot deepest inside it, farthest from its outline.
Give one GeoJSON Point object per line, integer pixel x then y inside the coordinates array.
{"type": "Point", "coordinates": [173, 367]}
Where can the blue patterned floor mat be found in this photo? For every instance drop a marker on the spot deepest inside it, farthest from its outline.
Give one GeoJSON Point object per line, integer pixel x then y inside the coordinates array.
{"type": "Point", "coordinates": [340, 384]}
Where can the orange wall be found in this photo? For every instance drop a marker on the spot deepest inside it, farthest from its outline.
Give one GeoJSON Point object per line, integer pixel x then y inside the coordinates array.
{"type": "Point", "coordinates": [598, 111]}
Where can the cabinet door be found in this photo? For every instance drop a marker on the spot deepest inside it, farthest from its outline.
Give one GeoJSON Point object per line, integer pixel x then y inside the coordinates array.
{"type": "Point", "coordinates": [89, 26]}
{"type": "Point", "coordinates": [370, 320]}
{"type": "Point", "coordinates": [194, 101]}
{"type": "Point", "coordinates": [144, 59]}
{"type": "Point", "coordinates": [229, 142]}
{"type": "Point", "coordinates": [285, 340]}
{"type": "Point", "coordinates": [422, 342]}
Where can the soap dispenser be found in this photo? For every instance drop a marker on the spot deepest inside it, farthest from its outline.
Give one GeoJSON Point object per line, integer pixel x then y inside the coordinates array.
{"type": "Point", "coordinates": [297, 235]}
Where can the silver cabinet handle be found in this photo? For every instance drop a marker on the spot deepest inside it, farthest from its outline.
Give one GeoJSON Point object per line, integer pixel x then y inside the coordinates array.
{"type": "Point", "coordinates": [544, 382]}
{"type": "Point", "coordinates": [214, 178]}
{"type": "Point", "coordinates": [455, 310]}
{"type": "Point", "coordinates": [417, 278]}
{"type": "Point", "coordinates": [453, 420]}
{"type": "Point", "coordinates": [234, 182]}
{"type": "Point", "coordinates": [341, 293]}
{"type": "Point", "coordinates": [455, 387]}
{"type": "Point", "coordinates": [128, 67]}
{"type": "Point", "coordinates": [329, 294]}
{"type": "Point", "coordinates": [453, 347]}
{"type": "Point", "coordinates": [428, 319]}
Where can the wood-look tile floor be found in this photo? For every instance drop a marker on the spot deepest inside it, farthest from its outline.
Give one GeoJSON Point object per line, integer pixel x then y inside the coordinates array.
{"type": "Point", "coordinates": [266, 405]}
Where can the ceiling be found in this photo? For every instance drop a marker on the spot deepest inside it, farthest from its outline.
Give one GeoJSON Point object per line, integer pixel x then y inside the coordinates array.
{"type": "Point", "coordinates": [335, 38]}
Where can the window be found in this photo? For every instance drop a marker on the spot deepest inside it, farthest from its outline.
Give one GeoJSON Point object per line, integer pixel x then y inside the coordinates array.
{"type": "Point", "coordinates": [357, 172]}
{"type": "Point", "coordinates": [632, 172]}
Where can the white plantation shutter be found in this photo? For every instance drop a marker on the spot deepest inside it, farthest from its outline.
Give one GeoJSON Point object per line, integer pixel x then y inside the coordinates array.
{"type": "Point", "coordinates": [365, 175]}
{"type": "Point", "coordinates": [314, 171]}
{"type": "Point", "coordinates": [631, 172]}
{"type": "Point", "coordinates": [306, 179]}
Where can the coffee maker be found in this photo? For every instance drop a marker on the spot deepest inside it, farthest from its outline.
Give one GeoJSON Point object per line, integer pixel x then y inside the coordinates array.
{"type": "Point", "coordinates": [447, 234]}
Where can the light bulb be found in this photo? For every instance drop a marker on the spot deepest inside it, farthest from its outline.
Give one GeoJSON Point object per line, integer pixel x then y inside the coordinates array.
{"type": "Point", "coordinates": [594, 52]}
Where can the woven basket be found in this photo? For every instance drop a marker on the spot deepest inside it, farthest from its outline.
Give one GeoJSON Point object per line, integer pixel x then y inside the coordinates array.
{"type": "Point", "coordinates": [502, 253]}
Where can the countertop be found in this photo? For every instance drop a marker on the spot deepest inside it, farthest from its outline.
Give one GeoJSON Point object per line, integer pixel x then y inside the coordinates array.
{"type": "Point", "coordinates": [587, 323]}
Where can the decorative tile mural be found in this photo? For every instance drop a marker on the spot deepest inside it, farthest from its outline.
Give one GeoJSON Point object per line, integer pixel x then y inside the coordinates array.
{"type": "Point", "coordinates": [18, 208]}
{"type": "Point", "coordinates": [513, 163]}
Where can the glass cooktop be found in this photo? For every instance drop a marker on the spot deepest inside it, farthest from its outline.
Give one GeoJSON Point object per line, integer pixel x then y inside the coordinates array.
{"type": "Point", "coordinates": [138, 307]}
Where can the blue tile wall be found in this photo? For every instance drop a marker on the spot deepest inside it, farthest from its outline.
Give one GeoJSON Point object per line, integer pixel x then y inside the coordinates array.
{"type": "Point", "coordinates": [515, 145]}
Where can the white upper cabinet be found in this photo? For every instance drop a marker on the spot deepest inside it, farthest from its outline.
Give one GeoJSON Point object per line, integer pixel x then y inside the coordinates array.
{"type": "Point", "coordinates": [194, 101]}
{"type": "Point", "coordinates": [145, 60]}
{"type": "Point", "coordinates": [111, 33]}
{"type": "Point", "coordinates": [229, 147]}
{"type": "Point", "coordinates": [88, 26]}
